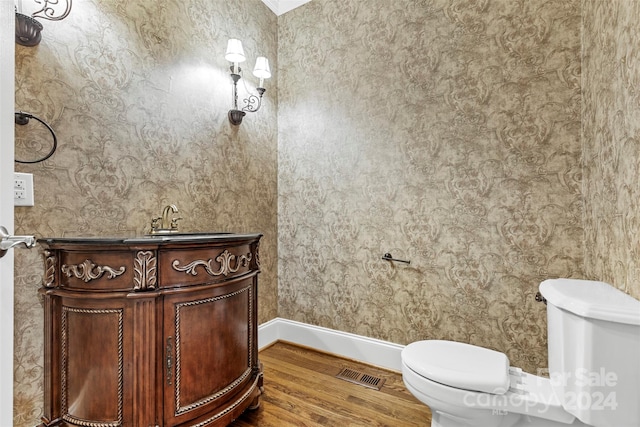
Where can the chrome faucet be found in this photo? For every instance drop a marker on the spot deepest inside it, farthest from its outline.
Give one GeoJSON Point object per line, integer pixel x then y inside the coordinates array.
{"type": "Point", "coordinates": [167, 223]}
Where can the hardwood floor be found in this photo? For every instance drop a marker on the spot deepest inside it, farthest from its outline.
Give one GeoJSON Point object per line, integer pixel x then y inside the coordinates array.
{"type": "Point", "coordinates": [300, 389]}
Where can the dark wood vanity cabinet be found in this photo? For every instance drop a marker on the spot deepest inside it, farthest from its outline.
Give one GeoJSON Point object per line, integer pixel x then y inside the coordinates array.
{"type": "Point", "coordinates": [152, 331]}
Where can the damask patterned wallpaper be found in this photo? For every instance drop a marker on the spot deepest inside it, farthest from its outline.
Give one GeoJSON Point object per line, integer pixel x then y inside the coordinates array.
{"type": "Point", "coordinates": [446, 132]}
{"type": "Point", "coordinates": [611, 141]}
{"type": "Point", "coordinates": [138, 94]}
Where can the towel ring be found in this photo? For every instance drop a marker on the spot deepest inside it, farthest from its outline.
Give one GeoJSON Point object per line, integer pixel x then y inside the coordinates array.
{"type": "Point", "coordinates": [22, 118]}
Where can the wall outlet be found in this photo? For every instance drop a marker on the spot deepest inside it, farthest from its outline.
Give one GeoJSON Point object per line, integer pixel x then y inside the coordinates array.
{"type": "Point", "coordinates": [23, 189]}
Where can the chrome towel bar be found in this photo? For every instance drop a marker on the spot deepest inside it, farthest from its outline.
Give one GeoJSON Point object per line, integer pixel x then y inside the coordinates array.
{"type": "Point", "coordinates": [389, 257]}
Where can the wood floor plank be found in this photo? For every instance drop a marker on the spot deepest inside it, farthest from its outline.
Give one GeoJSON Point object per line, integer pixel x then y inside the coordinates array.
{"type": "Point", "coordinates": [393, 385]}
{"type": "Point", "coordinates": [341, 394]}
{"type": "Point", "coordinates": [301, 390]}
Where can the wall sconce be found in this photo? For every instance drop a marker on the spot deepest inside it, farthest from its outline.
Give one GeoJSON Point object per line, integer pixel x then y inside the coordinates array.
{"type": "Point", "coordinates": [235, 54]}
{"type": "Point", "coordinates": [28, 28]}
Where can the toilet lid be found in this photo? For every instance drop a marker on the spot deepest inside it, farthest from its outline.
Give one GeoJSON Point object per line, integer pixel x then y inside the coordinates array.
{"type": "Point", "coordinates": [459, 365]}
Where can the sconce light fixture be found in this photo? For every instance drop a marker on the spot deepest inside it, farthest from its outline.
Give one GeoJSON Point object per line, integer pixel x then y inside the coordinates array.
{"type": "Point", "coordinates": [28, 28]}
{"type": "Point", "coordinates": [235, 55]}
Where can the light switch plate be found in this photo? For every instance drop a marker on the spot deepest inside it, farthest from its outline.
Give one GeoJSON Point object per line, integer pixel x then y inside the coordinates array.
{"type": "Point", "coordinates": [23, 189]}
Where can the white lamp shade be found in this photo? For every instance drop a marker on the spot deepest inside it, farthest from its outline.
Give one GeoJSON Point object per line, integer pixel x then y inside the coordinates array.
{"type": "Point", "coordinates": [235, 53]}
{"type": "Point", "coordinates": [262, 70]}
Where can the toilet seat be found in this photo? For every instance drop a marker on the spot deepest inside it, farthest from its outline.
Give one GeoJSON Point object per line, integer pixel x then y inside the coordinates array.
{"type": "Point", "coordinates": [534, 398]}
{"type": "Point", "coordinates": [431, 368]}
{"type": "Point", "coordinates": [459, 365]}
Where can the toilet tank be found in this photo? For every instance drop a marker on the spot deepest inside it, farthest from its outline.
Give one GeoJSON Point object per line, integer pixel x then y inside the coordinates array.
{"type": "Point", "coordinates": [594, 351]}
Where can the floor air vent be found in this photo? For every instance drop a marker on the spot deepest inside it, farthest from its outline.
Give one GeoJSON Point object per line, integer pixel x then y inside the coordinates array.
{"type": "Point", "coordinates": [360, 378]}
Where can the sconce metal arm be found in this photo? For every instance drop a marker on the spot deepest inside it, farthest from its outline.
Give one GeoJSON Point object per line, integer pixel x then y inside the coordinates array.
{"type": "Point", "coordinates": [29, 30]}
{"type": "Point", "coordinates": [48, 12]}
{"type": "Point", "coordinates": [251, 104]}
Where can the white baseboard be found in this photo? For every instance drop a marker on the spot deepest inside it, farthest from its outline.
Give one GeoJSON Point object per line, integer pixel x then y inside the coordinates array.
{"type": "Point", "coordinates": [357, 347]}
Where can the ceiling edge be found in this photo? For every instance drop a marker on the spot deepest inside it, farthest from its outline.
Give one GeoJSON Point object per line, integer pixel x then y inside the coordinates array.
{"type": "Point", "coordinates": [280, 7]}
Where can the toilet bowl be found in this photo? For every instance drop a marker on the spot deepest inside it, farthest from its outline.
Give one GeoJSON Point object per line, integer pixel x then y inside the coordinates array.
{"type": "Point", "coordinates": [495, 396]}
{"type": "Point", "coordinates": [594, 348]}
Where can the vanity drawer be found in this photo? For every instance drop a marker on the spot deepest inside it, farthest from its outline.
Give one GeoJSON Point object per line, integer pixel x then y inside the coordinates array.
{"type": "Point", "coordinates": [204, 265]}
{"type": "Point", "coordinates": [95, 271]}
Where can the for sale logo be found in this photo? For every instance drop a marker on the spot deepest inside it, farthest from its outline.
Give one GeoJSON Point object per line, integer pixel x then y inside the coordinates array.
{"type": "Point", "coordinates": [579, 390]}
{"type": "Point", "coordinates": [587, 390]}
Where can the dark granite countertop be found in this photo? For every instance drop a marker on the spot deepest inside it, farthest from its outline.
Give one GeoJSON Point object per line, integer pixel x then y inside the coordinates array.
{"type": "Point", "coordinates": [188, 237]}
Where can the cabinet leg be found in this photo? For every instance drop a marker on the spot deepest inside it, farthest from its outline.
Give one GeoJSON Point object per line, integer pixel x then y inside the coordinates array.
{"type": "Point", "coordinates": [255, 404]}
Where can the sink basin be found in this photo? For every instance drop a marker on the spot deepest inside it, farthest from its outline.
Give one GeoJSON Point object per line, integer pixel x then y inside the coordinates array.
{"type": "Point", "coordinates": [178, 237]}
{"type": "Point", "coordinates": [188, 233]}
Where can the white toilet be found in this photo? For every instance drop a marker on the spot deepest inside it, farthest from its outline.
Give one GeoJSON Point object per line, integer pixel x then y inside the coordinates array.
{"type": "Point", "coordinates": [594, 365]}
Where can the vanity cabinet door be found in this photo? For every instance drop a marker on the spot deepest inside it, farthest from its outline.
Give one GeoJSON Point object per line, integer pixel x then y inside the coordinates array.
{"type": "Point", "coordinates": [210, 370]}
{"type": "Point", "coordinates": [89, 348]}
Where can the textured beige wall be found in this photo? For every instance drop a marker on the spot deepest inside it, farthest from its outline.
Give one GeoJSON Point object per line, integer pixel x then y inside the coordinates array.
{"type": "Point", "coordinates": [444, 132]}
{"type": "Point", "coordinates": [138, 93]}
{"type": "Point", "coordinates": [611, 140]}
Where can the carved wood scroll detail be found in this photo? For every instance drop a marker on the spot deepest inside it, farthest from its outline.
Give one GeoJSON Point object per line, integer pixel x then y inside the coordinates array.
{"type": "Point", "coordinates": [225, 259]}
{"type": "Point", "coordinates": [50, 269]}
{"type": "Point", "coordinates": [88, 271]}
{"type": "Point", "coordinates": [145, 271]}
{"type": "Point", "coordinates": [258, 254]}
